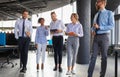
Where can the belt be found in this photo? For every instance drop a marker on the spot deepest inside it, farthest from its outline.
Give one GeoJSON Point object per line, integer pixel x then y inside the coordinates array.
{"type": "Point", "coordinates": [58, 36]}
{"type": "Point", "coordinates": [103, 34]}
{"type": "Point", "coordinates": [24, 37]}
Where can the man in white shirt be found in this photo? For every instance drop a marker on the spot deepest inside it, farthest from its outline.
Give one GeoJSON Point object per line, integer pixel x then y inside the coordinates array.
{"type": "Point", "coordinates": [57, 29]}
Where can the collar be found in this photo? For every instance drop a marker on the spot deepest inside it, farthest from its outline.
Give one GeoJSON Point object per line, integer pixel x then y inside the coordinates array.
{"type": "Point", "coordinates": [55, 21]}
{"type": "Point", "coordinates": [24, 19]}
{"type": "Point", "coordinates": [76, 23]}
{"type": "Point", "coordinates": [41, 25]}
{"type": "Point", "coordinates": [102, 10]}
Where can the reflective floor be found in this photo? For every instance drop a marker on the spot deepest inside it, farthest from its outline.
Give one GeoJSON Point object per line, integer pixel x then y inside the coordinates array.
{"type": "Point", "coordinates": [81, 70]}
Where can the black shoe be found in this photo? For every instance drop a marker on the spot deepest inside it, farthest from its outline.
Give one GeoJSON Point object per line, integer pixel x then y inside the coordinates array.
{"type": "Point", "coordinates": [55, 69]}
{"type": "Point", "coordinates": [23, 70]}
{"type": "Point", "coordinates": [60, 69]}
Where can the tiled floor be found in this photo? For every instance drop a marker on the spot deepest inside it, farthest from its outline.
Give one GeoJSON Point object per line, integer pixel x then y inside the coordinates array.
{"type": "Point", "coordinates": [81, 70]}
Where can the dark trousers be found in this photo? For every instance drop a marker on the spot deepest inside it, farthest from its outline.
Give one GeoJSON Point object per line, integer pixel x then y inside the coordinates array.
{"type": "Point", "coordinates": [100, 42]}
{"type": "Point", "coordinates": [58, 46]}
{"type": "Point", "coordinates": [23, 48]}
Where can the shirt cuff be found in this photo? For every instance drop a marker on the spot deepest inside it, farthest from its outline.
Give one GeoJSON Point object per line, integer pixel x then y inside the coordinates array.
{"type": "Point", "coordinates": [16, 37]}
{"type": "Point", "coordinates": [101, 27]}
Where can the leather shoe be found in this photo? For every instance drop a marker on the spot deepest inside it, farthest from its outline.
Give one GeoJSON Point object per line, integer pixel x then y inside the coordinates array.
{"type": "Point", "coordinates": [55, 69]}
{"type": "Point", "coordinates": [60, 69]}
{"type": "Point", "coordinates": [23, 70]}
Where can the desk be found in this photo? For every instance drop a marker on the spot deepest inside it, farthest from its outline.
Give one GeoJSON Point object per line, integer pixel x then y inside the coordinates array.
{"type": "Point", "coordinates": [7, 48]}
{"type": "Point", "coordinates": [116, 51]}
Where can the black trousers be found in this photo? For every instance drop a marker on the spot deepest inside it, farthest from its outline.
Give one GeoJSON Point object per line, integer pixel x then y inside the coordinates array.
{"type": "Point", "coordinates": [58, 46]}
{"type": "Point", "coordinates": [23, 44]}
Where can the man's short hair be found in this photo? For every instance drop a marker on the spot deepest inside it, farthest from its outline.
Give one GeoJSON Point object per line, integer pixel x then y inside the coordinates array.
{"type": "Point", "coordinates": [24, 11]}
{"type": "Point", "coordinates": [104, 0]}
{"type": "Point", "coordinates": [53, 13]}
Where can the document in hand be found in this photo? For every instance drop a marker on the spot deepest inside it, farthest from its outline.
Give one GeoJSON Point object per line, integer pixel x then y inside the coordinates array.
{"type": "Point", "coordinates": [53, 30]}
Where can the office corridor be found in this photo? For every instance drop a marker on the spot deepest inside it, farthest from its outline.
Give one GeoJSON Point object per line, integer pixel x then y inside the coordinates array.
{"type": "Point", "coordinates": [81, 70]}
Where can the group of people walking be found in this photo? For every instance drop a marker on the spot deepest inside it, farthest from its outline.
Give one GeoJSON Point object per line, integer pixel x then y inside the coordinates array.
{"type": "Point", "coordinates": [103, 23]}
{"type": "Point", "coordinates": [57, 29]}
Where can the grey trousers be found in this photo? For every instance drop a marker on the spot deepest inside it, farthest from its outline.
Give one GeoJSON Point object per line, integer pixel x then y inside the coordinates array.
{"type": "Point", "coordinates": [100, 42]}
{"type": "Point", "coordinates": [72, 50]}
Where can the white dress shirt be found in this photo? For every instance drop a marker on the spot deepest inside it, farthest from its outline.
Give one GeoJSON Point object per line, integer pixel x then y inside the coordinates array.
{"type": "Point", "coordinates": [76, 28]}
{"type": "Point", "coordinates": [58, 24]}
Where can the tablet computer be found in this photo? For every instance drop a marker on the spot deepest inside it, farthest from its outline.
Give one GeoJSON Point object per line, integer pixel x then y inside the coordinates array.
{"type": "Point", "coordinates": [53, 30]}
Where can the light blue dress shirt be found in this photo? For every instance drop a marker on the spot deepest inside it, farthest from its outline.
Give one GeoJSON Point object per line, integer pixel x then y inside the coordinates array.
{"type": "Point", "coordinates": [106, 21]}
{"type": "Point", "coordinates": [19, 27]}
{"type": "Point", "coordinates": [41, 34]}
{"type": "Point", "coordinates": [76, 28]}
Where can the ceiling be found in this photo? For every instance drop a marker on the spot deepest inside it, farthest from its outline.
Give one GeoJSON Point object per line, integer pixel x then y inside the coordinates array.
{"type": "Point", "coordinates": [111, 5]}
{"type": "Point", "coordinates": [11, 9]}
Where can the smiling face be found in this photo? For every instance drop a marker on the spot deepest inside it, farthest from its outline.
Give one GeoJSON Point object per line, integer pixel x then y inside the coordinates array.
{"type": "Point", "coordinates": [53, 16]}
{"type": "Point", "coordinates": [100, 4]}
{"type": "Point", "coordinates": [74, 18]}
{"type": "Point", "coordinates": [42, 22]}
{"type": "Point", "coordinates": [25, 14]}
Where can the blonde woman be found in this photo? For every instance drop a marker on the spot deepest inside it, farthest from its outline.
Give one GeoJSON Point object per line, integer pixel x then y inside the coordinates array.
{"type": "Point", "coordinates": [41, 42]}
{"type": "Point", "coordinates": [74, 31]}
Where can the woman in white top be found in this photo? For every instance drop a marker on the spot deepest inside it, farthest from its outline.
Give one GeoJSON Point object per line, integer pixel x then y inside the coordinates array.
{"type": "Point", "coordinates": [74, 31]}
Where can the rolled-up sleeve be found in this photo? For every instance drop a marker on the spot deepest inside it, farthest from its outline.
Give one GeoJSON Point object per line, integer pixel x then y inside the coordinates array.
{"type": "Point", "coordinates": [16, 30]}
{"type": "Point", "coordinates": [67, 29]}
{"type": "Point", "coordinates": [31, 29]}
{"type": "Point", "coordinates": [80, 33]}
{"type": "Point", "coordinates": [36, 37]}
{"type": "Point", "coordinates": [47, 32]}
